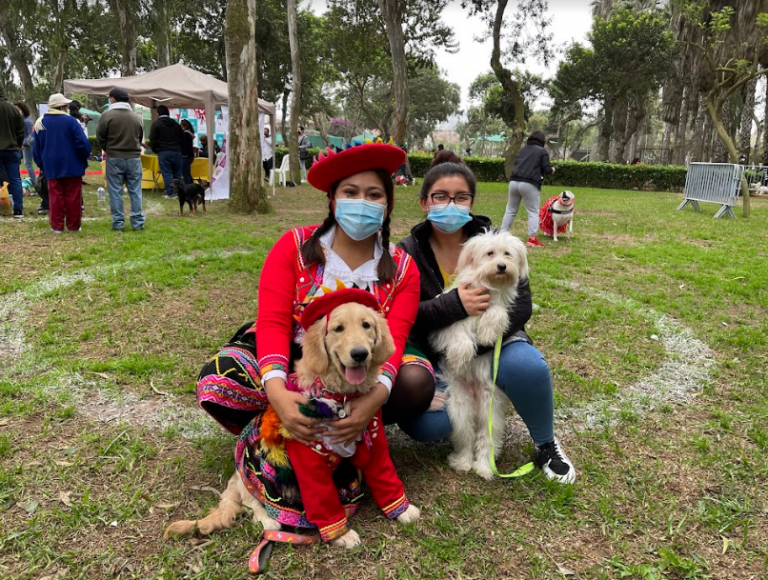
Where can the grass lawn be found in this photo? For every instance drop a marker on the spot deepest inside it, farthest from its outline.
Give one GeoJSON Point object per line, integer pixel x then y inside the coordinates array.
{"type": "Point", "coordinates": [653, 322]}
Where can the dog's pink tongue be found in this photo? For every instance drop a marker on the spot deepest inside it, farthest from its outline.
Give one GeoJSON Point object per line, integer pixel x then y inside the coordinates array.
{"type": "Point", "coordinates": [355, 375]}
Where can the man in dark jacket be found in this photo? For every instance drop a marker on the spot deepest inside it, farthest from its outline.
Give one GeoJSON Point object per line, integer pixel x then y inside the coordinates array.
{"type": "Point", "coordinates": [119, 135]}
{"type": "Point", "coordinates": [165, 137]}
{"type": "Point", "coordinates": [11, 142]}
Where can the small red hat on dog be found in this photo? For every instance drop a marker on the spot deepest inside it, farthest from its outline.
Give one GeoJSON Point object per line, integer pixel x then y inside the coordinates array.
{"type": "Point", "coordinates": [324, 305]}
{"type": "Point", "coordinates": [333, 167]}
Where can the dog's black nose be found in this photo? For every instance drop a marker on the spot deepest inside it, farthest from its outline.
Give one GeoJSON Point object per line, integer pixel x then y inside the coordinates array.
{"type": "Point", "coordinates": [359, 354]}
{"type": "Point", "coordinates": [501, 267]}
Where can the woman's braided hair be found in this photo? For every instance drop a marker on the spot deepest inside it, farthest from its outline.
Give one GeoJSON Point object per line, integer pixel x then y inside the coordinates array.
{"type": "Point", "coordinates": [312, 251]}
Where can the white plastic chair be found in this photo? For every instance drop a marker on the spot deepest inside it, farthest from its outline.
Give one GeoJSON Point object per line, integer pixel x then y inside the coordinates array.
{"type": "Point", "coordinates": [285, 167]}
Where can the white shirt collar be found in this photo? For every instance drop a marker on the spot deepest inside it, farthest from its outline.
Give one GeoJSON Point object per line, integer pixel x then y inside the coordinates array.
{"type": "Point", "coordinates": [336, 268]}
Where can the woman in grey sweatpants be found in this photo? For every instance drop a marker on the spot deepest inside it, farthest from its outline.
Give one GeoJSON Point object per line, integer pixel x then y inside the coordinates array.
{"type": "Point", "coordinates": [531, 165]}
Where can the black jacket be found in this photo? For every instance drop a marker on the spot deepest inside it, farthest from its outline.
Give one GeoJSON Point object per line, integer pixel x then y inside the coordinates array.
{"type": "Point", "coordinates": [437, 309]}
{"type": "Point", "coordinates": [165, 135]}
{"type": "Point", "coordinates": [532, 164]}
{"type": "Point", "coordinates": [11, 125]}
{"type": "Point", "coordinates": [187, 144]}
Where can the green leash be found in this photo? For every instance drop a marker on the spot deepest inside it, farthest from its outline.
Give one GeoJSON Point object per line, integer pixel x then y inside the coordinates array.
{"type": "Point", "coordinates": [528, 467]}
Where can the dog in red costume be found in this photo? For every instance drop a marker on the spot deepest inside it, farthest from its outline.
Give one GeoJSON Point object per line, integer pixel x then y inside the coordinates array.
{"type": "Point", "coordinates": [557, 214]}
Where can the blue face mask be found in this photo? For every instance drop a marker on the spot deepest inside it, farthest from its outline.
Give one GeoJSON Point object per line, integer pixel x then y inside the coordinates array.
{"type": "Point", "coordinates": [359, 218]}
{"type": "Point", "coordinates": [449, 217]}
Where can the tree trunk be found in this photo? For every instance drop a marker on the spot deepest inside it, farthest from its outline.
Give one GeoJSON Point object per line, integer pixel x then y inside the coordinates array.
{"type": "Point", "coordinates": [573, 146]}
{"type": "Point", "coordinates": [15, 51]}
{"type": "Point", "coordinates": [699, 133]}
{"type": "Point", "coordinates": [715, 111]}
{"type": "Point", "coordinates": [619, 128]}
{"type": "Point", "coordinates": [678, 157]}
{"type": "Point", "coordinates": [321, 122]}
{"type": "Point", "coordinates": [392, 15]}
{"type": "Point", "coordinates": [126, 11]}
{"type": "Point", "coordinates": [283, 125]}
{"type": "Point", "coordinates": [162, 29]}
{"type": "Point", "coordinates": [747, 112]}
{"type": "Point", "coordinates": [293, 140]}
{"type": "Point", "coordinates": [635, 116]}
{"type": "Point", "coordinates": [246, 188]}
{"type": "Point", "coordinates": [755, 157]}
{"type": "Point", "coordinates": [606, 130]}
{"type": "Point", "coordinates": [515, 115]}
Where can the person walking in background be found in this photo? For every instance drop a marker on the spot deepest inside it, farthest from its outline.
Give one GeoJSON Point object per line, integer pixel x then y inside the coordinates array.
{"type": "Point", "coordinates": [11, 142]}
{"type": "Point", "coordinates": [61, 150]}
{"type": "Point", "coordinates": [26, 149]}
{"type": "Point", "coordinates": [266, 153]}
{"type": "Point", "coordinates": [531, 165]}
{"type": "Point", "coordinates": [187, 150]}
{"type": "Point", "coordinates": [165, 136]}
{"type": "Point", "coordinates": [304, 146]}
{"type": "Point", "coordinates": [119, 135]}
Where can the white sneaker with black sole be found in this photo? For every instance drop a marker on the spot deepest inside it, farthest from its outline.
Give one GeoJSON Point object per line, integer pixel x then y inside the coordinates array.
{"type": "Point", "coordinates": [555, 464]}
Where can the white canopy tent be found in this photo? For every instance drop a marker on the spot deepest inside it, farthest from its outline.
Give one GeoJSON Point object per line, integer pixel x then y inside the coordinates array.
{"type": "Point", "coordinates": [175, 86]}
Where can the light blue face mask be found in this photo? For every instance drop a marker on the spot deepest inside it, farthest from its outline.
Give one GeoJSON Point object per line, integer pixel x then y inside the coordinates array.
{"type": "Point", "coordinates": [449, 217]}
{"type": "Point", "coordinates": [359, 218]}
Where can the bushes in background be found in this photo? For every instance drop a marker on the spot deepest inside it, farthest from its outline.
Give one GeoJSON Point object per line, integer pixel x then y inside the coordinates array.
{"type": "Point", "coordinates": [576, 173]}
{"type": "Point", "coordinates": [568, 174]}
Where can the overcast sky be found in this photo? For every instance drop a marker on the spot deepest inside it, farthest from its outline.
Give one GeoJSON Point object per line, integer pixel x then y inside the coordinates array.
{"type": "Point", "coordinates": [571, 20]}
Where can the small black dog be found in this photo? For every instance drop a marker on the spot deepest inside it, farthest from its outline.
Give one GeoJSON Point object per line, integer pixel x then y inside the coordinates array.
{"type": "Point", "coordinates": [192, 194]}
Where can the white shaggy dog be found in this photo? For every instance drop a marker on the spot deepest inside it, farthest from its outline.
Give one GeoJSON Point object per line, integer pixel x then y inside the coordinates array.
{"type": "Point", "coordinates": [497, 261]}
{"type": "Point", "coordinates": [562, 213]}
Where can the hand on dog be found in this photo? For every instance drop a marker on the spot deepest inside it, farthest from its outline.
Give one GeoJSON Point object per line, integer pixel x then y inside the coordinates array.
{"type": "Point", "coordinates": [361, 412]}
{"type": "Point", "coordinates": [475, 300]}
{"type": "Point", "coordinates": [286, 404]}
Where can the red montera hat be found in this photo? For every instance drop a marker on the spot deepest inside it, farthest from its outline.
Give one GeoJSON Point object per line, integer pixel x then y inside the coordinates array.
{"type": "Point", "coordinates": [333, 167]}
{"type": "Point", "coordinates": [324, 305]}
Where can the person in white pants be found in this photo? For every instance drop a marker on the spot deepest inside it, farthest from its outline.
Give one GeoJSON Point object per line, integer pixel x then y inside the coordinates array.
{"type": "Point", "coordinates": [531, 165]}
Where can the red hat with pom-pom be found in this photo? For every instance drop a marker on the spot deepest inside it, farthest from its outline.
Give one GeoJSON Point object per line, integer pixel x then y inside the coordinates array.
{"type": "Point", "coordinates": [334, 166]}
{"type": "Point", "coordinates": [325, 304]}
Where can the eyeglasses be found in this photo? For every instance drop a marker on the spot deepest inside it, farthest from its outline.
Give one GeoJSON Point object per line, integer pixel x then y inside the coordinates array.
{"type": "Point", "coordinates": [458, 199]}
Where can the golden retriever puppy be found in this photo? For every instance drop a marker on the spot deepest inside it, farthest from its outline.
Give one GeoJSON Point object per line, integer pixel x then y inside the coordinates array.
{"type": "Point", "coordinates": [345, 343]}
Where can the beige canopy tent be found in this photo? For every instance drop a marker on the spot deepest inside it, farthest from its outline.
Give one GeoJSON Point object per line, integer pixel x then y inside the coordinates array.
{"type": "Point", "coordinates": [175, 86]}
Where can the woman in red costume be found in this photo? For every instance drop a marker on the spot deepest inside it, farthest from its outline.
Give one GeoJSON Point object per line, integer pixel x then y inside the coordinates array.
{"type": "Point", "coordinates": [351, 248]}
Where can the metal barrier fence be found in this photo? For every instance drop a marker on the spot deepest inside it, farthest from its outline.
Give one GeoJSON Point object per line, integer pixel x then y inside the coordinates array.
{"type": "Point", "coordinates": [713, 183]}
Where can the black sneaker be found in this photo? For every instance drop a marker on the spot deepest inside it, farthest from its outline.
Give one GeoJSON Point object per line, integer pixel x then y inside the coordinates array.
{"type": "Point", "coordinates": [555, 464]}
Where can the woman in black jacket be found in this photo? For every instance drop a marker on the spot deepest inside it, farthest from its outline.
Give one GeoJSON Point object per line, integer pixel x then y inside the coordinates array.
{"type": "Point", "coordinates": [447, 195]}
{"type": "Point", "coordinates": [531, 165]}
{"type": "Point", "coordinates": [187, 150]}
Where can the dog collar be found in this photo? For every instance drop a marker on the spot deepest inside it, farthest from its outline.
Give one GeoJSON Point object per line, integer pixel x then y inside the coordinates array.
{"type": "Point", "coordinates": [561, 211]}
{"type": "Point", "coordinates": [319, 390]}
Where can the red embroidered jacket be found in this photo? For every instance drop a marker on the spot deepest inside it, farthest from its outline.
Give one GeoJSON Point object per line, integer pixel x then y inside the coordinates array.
{"type": "Point", "coordinates": [287, 282]}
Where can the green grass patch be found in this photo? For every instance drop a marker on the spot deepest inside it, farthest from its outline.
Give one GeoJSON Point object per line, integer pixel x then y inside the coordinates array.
{"type": "Point", "coordinates": [651, 319]}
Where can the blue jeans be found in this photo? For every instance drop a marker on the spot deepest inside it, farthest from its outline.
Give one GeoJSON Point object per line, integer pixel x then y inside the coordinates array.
{"type": "Point", "coordinates": [27, 153]}
{"type": "Point", "coordinates": [524, 377]}
{"type": "Point", "coordinates": [170, 166]}
{"type": "Point", "coordinates": [303, 165]}
{"type": "Point", "coordinates": [126, 171]}
{"type": "Point", "coordinates": [11, 161]}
